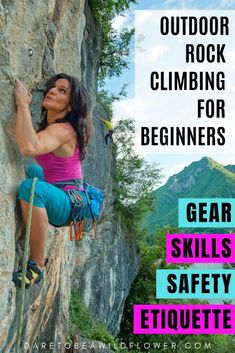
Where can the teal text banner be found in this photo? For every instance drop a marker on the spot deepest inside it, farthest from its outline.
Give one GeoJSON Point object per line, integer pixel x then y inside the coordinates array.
{"type": "Point", "coordinates": [206, 213]}
{"type": "Point", "coordinates": [195, 284]}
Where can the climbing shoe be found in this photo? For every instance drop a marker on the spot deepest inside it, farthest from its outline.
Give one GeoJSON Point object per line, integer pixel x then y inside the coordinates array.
{"type": "Point", "coordinates": [33, 275]}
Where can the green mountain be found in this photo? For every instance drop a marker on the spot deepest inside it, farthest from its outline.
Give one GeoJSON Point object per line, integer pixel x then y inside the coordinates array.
{"type": "Point", "coordinates": [230, 167]}
{"type": "Point", "coordinates": [201, 179]}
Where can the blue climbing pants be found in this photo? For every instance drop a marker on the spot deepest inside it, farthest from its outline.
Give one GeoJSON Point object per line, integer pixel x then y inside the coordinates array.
{"type": "Point", "coordinates": [55, 201]}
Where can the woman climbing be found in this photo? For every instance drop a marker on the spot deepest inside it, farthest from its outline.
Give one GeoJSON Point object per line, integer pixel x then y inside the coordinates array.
{"type": "Point", "coordinates": [109, 134]}
{"type": "Point", "coordinates": [59, 147]}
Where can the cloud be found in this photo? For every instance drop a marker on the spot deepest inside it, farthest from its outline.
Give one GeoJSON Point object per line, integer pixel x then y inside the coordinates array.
{"type": "Point", "coordinates": [156, 52]}
{"type": "Point", "coordinates": [142, 17]}
{"type": "Point", "coordinates": [171, 108]}
{"type": "Point", "coordinates": [175, 169]}
{"type": "Point", "coordinates": [123, 109]}
{"type": "Point", "coordinates": [118, 22]}
{"type": "Point", "coordinates": [123, 21]}
{"type": "Point", "coordinates": [230, 57]}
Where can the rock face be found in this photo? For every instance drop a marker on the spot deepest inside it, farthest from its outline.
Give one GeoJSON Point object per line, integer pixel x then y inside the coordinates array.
{"type": "Point", "coordinates": [39, 38]}
{"type": "Point", "coordinates": [105, 271]}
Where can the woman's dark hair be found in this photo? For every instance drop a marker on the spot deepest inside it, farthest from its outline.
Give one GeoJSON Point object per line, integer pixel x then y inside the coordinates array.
{"type": "Point", "coordinates": [79, 116]}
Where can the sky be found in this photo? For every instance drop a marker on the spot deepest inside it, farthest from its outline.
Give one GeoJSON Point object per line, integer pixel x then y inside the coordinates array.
{"type": "Point", "coordinates": [170, 163]}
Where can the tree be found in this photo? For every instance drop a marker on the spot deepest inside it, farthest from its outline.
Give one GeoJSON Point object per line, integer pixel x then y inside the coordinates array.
{"type": "Point", "coordinates": [106, 99]}
{"type": "Point", "coordinates": [115, 50]}
{"type": "Point", "coordinates": [115, 47]}
{"type": "Point", "coordinates": [135, 177]}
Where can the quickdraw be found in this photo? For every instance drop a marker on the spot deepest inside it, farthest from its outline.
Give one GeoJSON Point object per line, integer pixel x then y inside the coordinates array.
{"type": "Point", "coordinates": [81, 207]}
{"type": "Point", "coordinates": [77, 223]}
{"type": "Point", "coordinates": [76, 230]}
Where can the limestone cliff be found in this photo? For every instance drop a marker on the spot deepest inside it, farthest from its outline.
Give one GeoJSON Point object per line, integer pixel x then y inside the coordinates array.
{"type": "Point", "coordinates": [38, 38]}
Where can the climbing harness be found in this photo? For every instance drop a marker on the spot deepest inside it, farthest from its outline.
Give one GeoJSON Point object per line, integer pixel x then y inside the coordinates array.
{"type": "Point", "coordinates": [86, 204]}
{"type": "Point", "coordinates": [26, 255]}
{"type": "Point", "coordinates": [109, 136]}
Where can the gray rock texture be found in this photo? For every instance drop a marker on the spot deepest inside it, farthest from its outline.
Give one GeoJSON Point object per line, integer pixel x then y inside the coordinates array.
{"type": "Point", "coordinates": [37, 39]}
{"type": "Point", "coordinates": [106, 271]}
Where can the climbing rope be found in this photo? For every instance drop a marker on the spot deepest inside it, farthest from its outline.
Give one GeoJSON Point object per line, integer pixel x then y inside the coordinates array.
{"type": "Point", "coordinates": [25, 259]}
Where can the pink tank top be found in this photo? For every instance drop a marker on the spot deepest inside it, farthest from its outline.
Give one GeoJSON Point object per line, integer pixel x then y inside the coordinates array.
{"type": "Point", "coordinates": [58, 169]}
